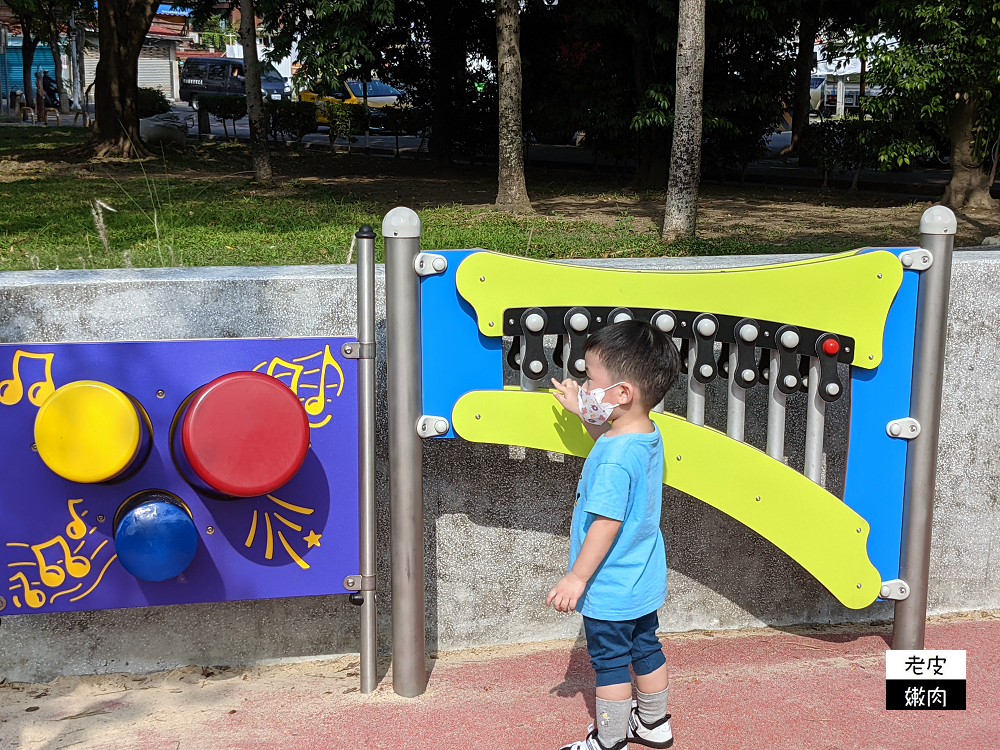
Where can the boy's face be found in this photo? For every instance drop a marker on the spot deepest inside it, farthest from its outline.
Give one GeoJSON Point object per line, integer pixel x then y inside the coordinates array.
{"type": "Point", "coordinates": [599, 377]}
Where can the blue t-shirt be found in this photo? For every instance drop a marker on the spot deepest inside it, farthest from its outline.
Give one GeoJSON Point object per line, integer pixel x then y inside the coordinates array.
{"type": "Point", "coordinates": [623, 479]}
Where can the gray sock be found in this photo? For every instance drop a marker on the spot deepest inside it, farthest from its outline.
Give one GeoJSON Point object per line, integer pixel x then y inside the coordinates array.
{"type": "Point", "coordinates": [612, 721]}
{"type": "Point", "coordinates": [652, 706]}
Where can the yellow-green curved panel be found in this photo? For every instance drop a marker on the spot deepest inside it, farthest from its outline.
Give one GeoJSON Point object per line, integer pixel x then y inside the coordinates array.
{"type": "Point", "coordinates": [848, 294]}
{"type": "Point", "coordinates": [814, 528]}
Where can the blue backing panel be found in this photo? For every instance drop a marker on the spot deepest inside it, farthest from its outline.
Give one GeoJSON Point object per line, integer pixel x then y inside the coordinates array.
{"type": "Point", "coordinates": [56, 537]}
{"type": "Point", "coordinates": [457, 358]}
{"type": "Point", "coordinates": [876, 463]}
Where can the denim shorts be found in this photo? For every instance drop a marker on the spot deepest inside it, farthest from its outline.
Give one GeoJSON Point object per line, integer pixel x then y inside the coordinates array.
{"type": "Point", "coordinates": [614, 645]}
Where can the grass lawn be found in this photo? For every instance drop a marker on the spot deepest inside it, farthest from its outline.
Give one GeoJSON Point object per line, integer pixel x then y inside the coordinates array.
{"type": "Point", "coordinates": [200, 207]}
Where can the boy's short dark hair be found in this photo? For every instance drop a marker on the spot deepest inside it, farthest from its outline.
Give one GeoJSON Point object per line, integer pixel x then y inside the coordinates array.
{"type": "Point", "coordinates": [636, 352]}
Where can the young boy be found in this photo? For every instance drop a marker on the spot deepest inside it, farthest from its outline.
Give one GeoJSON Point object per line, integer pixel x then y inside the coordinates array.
{"type": "Point", "coordinates": [617, 563]}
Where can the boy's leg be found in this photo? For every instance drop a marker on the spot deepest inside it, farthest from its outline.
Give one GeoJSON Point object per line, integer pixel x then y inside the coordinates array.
{"type": "Point", "coordinates": [610, 646]}
{"type": "Point", "coordinates": [651, 726]}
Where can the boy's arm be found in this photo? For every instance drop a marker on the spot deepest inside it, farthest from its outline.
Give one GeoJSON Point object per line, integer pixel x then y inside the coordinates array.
{"type": "Point", "coordinates": [566, 394]}
{"type": "Point", "coordinates": [596, 543]}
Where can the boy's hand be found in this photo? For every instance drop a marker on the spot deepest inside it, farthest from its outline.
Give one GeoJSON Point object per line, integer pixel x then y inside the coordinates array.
{"type": "Point", "coordinates": [566, 394]}
{"type": "Point", "coordinates": [566, 593]}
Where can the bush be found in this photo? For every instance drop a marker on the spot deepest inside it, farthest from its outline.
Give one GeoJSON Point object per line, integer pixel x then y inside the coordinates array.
{"type": "Point", "coordinates": [290, 119]}
{"type": "Point", "coordinates": [225, 107]}
{"type": "Point", "coordinates": [151, 102]}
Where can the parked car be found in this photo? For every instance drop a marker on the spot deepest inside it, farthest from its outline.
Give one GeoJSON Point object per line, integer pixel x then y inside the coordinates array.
{"type": "Point", "coordinates": [380, 94]}
{"type": "Point", "coordinates": [225, 75]}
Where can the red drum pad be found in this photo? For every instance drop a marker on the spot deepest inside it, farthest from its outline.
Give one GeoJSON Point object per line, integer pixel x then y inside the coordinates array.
{"type": "Point", "coordinates": [245, 434]}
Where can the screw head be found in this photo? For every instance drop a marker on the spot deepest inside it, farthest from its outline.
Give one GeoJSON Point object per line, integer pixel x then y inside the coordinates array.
{"type": "Point", "coordinates": [791, 381]}
{"type": "Point", "coordinates": [210, 530]}
{"type": "Point", "coordinates": [913, 428]}
{"type": "Point", "coordinates": [100, 519]}
{"type": "Point", "coordinates": [859, 529]}
{"type": "Point", "coordinates": [749, 333]}
{"type": "Point", "coordinates": [482, 278]}
{"type": "Point", "coordinates": [160, 393]}
{"type": "Point", "coordinates": [349, 581]}
{"type": "Point", "coordinates": [665, 322]}
{"type": "Point", "coordinates": [678, 458]}
{"type": "Point", "coordinates": [34, 447]}
{"type": "Point", "coordinates": [789, 339]}
{"type": "Point", "coordinates": [578, 322]}
{"type": "Point", "coordinates": [491, 324]}
{"type": "Point", "coordinates": [441, 426]}
{"type": "Point", "coordinates": [871, 356]}
{"type": "Point", "coordinates": [758, 498]}
{"type": "Point", "coordinates": [832, 389]}
{"type": "Point", "coordinates": [534, 322]}
{"type": "Point", "coordinates": [3, 604]}
{"type": "Point", "coordinates": [859, 585]}
{"type": "Point", "coordinates": [439, 264]}
{"type": "Point", "coordinates": [706, 371]}
{"type": "Point", "coordinates": [880, 276]}
{"type": "Point", "coordinates": [535, 366]}
{"type": "Point", "coordinates": [348, 349]}
{"type": "Point", "coordinates": [479, 416]}
{"type": "Point", "coordinates": [748, 375]}
{"type": "Point", "coordinates": [598, 318]}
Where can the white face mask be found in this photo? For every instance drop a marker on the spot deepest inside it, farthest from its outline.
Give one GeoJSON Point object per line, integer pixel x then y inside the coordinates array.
{"type": "Point", "coordinates": [592, 409]}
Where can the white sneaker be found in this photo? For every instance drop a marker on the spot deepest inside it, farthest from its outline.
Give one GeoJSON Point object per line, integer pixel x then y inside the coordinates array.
{"type": "Point", "coordinates": [592, 743]}
{"type": "Point", "coordinates": [657, 734]}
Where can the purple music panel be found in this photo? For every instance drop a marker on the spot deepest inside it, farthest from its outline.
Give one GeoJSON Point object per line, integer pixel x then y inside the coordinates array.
{"type": "Point", "coordinates": [57, 537]}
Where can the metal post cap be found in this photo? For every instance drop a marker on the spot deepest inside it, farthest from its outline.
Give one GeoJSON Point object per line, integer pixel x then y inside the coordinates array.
{"type": "Point", "coordinates": [401, 222]}
{"type": "Point", "coordinates": [938, 220]}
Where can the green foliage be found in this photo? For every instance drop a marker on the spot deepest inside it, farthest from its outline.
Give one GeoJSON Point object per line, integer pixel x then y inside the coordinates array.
{"type": "Point", "coordinates": [929, 59]}
{"type": "Point", "coordinates": [151, 102]}
{"type": "Point", "coordinates": [289, 119]}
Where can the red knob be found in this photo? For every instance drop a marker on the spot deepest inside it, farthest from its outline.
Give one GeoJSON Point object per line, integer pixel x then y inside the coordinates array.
{"type": "Point", "coordinates": [243, 434]}
{"type": "Point", "coordinates": [831, 346]}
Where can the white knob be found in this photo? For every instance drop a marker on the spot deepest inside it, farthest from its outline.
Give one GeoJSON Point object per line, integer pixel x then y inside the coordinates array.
{"type": "Point", "coordinates": [749, 333]}
{"type": "Point", "coordinates": [578, 322]}
{"type": "Point", "coordinates": [517, 359]}
{"type": "Point", "coordinates": [535, 322]}
{"type": "Point", "coordinates": [621, 318]}
{"type": "Point", "coordinates": [805, 381]}
{"type": "Point", "coordinates": [906, 259]}
{"type": "Point", "coordinates": [791, 381]}
{"type": "Point", "coordinates": [439, 264]}
{"type": "Point", "coordinates": [706, 371]}
{"type": "Point", "coordinates": [895, 430]}
{"type": "Point", "coordinates": [832, 389]}
{"type": "Point", "coordinates": [440, 426]}
{"type": "Point", "coordinates": [665, 322]}
{"type": "Point", "coordinates": [536, 366]}
{"type": "Point", "coordinates": [789, 339]}
{"type": "Point", "coordinates": [581, 365]}
{"type": "Point", "coordinates": [748, 375]}
{"type": "Point", "coordinates": [706, 327]}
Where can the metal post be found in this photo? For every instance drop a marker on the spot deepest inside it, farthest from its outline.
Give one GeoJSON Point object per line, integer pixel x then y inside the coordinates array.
{"type": "Point", "coordinates": [815, 425]}
{"type": "Point", "coordinates": [736, 411]}
{"type": "Point", "coordinates": [937, 234]}
{"type": "Point", "coordinates": [527, 384]}
{"type": "Point", "coordinates": [366, 451]}
{"type": "Point", "coordinates": [401, 230]}
{"type": "Point", "coordinates": [696, 391]}
{"type": "Point", "coordinates": [775, 411]}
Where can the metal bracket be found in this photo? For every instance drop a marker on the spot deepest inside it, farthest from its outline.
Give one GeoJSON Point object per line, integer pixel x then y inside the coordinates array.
{"type": "Point", "coordinates": [359, 583]}
{"type": "Point", "coordinates": [904, 429]}
{"type": "Point", "coordinates": [897, 589]}
{"type": "Point", "coordinates": [431, 426]}
{"type": "Point", "coordinates": [357, 350]}
{"type": "Point", "coordinates": [429, 264]}
{"type": "Point", "coordinates": [916, 260]}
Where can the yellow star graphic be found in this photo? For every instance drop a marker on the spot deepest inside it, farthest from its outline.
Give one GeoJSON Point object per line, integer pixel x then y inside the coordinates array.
{"type": "Point", "coordinates": [313, 539]}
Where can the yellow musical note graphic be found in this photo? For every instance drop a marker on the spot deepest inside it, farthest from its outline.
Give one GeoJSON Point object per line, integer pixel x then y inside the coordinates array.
{"type": "Point", "coordinates": [11, 391]}
{"type": "Point", "coordinates": [75, 529]}
{"type": "Point", "coordinates": [51, 574]}
{"type": "Point", "coordinates": [316, 404]}
{"type": "Point", "coordinates": [296, 371]}
{"type": "Point", "coordinates": [32, 597]}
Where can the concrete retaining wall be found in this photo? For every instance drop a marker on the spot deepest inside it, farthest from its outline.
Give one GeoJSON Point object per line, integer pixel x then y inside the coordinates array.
{"type": "Point", "coordinates": [497, 519]}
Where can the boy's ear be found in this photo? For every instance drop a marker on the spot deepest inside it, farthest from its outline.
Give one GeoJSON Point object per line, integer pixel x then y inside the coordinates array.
{"type": "Point", "coordinates": [628, 393]}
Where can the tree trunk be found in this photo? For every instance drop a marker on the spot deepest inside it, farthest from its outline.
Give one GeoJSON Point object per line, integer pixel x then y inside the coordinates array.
{"type": "Point", "coordinates": [28, 45]}
{"type": "Point", "coordinates": [122, 28]}
{"type": "Point", "coordinates": [680, 218]}
{"type": "Point", "coordinates": [255, 100]}
{"type": "Point", "coordinates": [808, 29]}
{"type": "Point", "coordinates": [512, 194]}
{"type": "Point", "coordinates": [57, 70]}
{"type": "Point", "coordinates": [970, 183]}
